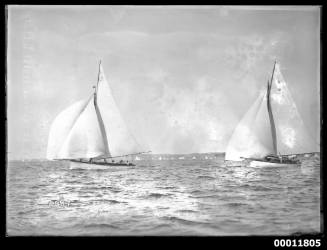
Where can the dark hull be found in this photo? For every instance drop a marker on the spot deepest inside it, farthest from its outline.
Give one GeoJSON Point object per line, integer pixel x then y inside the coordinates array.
{"type": "Point", "coordinates": [284, 160]}
{"type": "Point", "coordinates": [105, 163]}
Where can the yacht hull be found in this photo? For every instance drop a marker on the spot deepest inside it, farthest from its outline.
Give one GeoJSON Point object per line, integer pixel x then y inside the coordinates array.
{"type": "Point", "coordinates": [96, 166]}
{"type": "Point", "coordinates": [259, 164]}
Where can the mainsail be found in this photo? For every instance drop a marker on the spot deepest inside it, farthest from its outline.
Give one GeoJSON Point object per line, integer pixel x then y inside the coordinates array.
{"type": "Point", "coordinates": [120, 140]}
{"type": "Point", "coordinates": [292, 135]}
{"type": "Point", "coordinates": [91, 128]}
{"type": "Point", "coordinates": [271, 126]}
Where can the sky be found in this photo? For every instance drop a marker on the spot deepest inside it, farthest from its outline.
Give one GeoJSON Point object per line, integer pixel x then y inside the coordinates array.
{"type": "Point", "coordinates": [182, 76]}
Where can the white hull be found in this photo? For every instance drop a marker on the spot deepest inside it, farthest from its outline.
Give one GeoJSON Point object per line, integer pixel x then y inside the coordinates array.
{"type": "Point", "coordinates": [79, 165]}
{"type": "Point", "coordinates": [256, 164]}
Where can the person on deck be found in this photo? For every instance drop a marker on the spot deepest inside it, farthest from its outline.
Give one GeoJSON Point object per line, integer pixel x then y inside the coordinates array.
{"type": "Point", "coordinates": [280, 158]}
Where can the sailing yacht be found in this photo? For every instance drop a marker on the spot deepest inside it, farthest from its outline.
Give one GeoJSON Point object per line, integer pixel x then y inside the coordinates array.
{"type": "Point", "coordinates": [91, 133]}
{"type": "Point", "coordinates": [271, 132]}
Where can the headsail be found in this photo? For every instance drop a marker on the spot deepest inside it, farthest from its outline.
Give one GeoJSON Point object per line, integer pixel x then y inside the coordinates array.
{"type": "Point", "coordinates": [76, 133]}
{"type": "Point", "coordinates": [85, 139]}
{"type": "Point", "coordinates": [292, 136]}
{"type": "Point", "coordinates": [61, 127]}
{"type": "Point", "coordinates": [252, 136]}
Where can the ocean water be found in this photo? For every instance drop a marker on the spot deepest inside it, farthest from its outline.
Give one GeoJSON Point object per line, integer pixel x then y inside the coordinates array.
{"type": "Point", "coordinates": [177, 197]}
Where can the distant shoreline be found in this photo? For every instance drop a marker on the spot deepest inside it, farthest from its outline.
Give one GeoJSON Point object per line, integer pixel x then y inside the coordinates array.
{"type": "Point", "coordinates": [143, 155]}
{"type": "Point", "coordinates": [199, 156]}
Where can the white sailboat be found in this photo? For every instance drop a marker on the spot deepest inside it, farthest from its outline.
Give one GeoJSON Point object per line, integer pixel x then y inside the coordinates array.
{"type": "Point", "coordinates": [91, 133]}
{"type": "Point", "coordinates": [137, 158]}
{"type": "Point", "coordinates": [272, 131]}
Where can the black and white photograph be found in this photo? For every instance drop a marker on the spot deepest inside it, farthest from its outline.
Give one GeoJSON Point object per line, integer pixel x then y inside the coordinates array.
{"type": "Point", "coordinates": [163, 120]}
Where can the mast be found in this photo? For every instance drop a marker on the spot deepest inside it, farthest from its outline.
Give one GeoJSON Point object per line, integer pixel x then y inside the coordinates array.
{"type": "Point", "coordinates": [271, 117]}
{"type": "Point", "coordinates": [102, 128]}
{"type": "Point", "coordinates": [96, 88]}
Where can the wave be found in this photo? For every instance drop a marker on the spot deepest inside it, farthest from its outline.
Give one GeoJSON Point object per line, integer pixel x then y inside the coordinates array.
{"type": "Point", "coordinates": [186, 211]}
{"type": "Point", "coordinates": [99, 225]}
{"type": "Point", "coordinates": [112, 189]}
{"type": "Point", "coordinates": [116, 202]}
{"type": "Point", "coordinates": [175, 200]}
{"type": "Point", "coordinates": [73, 182]}
{"type": "Point", "coordinates": [207, 196]}
{"type": "Point", "coordinates": [236, 204]}
{"type": "Point", "coordinates": [161, 226]}
{"type": "Point", "coordinates": [157, 195]}
{"type": "Point", "coordinates": [196, 192]}
{"type": "Point", "coordinates": [262, 188]}
{"type": "Point", "coordinates": [184, 221]}
{"type": "Point", "coordinates": [145, 166]}
{"type": "Point", "coordinates": [304, 233]}
{"type": "Point", "coordinates": [166, 187]}
{"type": "Point", "coordinates": [26, 212]}
{"type": "Point", "coordinates": [207, 177]}
{"type": "Point", "coordinates": [38, 186]}
{"type": "Point", "coordinates": [110, 201]}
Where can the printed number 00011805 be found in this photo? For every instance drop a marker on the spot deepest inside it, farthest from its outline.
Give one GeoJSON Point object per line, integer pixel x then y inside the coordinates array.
{"type": "Point", "coordinates": [297, 243]}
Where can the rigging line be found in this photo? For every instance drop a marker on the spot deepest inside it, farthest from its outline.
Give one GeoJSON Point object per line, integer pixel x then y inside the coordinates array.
{"type": "Point", "coordinates": [124, 155]}
{"type": "Point", "coordinates": [301, 153]}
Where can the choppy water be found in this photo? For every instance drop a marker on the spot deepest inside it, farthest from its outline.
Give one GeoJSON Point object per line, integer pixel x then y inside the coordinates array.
{"type": "Point", "coordinates": [162, 198]}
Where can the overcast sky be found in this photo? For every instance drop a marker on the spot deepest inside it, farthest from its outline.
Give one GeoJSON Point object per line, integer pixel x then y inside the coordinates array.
{"type": "Point", "coordinates": [181, 76]}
